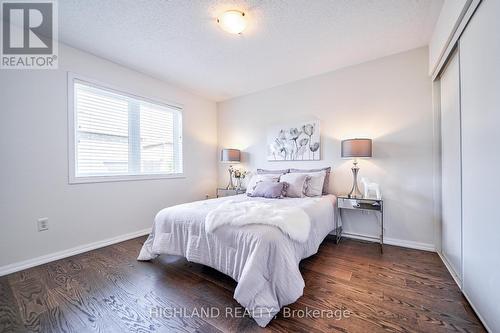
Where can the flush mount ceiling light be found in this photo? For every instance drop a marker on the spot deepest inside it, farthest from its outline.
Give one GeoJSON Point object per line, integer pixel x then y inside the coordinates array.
{"type": "Point", "coordinates": [232, 21]}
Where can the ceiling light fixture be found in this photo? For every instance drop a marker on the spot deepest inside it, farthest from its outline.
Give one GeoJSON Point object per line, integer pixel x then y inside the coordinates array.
{"type": "Point", "coordinates": [232, 21]}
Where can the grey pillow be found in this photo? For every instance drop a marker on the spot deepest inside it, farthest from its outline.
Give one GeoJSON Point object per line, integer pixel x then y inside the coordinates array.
{"type": "Point", "coordinates": [297, 184]}
{"type": "Point", "coordinates": [264, 171]}
{"type": "Point", "coordinates": [267, 189]}
{"type": "Point", "coordinates": [327, 176]}
{"type": "Point", "coordinates": [255, 179]}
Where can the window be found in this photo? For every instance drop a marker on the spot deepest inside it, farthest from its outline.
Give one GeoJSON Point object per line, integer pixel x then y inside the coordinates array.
{"type": "Point", "coordinates": [117, 136]}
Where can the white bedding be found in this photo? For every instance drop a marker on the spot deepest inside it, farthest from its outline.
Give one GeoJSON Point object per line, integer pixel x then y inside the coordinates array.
{"type": "Point", "coordinates": [261, 258]}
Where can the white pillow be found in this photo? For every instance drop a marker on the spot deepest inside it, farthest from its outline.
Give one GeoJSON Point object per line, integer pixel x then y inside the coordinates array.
{"type": "Point", "coordinates": [297, 183]}
{"type": "Point", "coordinates": [261, 178]}
{"type": "Point", "coordinates": [314, 186]}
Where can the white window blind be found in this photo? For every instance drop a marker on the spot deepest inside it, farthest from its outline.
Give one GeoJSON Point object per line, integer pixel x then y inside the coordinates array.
{"type": "Point", "coordinates": [119, 135]}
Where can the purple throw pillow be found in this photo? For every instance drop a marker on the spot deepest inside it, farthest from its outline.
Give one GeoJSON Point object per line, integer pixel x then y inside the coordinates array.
{"type": "Point", "coordinates": [271, 190]}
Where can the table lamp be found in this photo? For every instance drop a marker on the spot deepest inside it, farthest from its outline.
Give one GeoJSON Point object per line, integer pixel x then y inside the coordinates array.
{"type": "Point", "coordinates": [354, 148]}
{"type": "Point", "coordinates": [228, 155]}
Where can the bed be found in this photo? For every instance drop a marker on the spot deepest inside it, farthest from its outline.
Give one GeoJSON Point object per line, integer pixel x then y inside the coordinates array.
{"type": "Point", "coordinates": [261, 258]}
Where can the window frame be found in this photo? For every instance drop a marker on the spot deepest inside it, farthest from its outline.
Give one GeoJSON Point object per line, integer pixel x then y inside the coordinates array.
{"type": "Point", "coordinates": [72, 177]}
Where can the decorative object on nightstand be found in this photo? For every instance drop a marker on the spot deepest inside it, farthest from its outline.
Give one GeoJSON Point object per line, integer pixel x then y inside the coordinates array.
{"type": "Point", "coordinates": [230, 156]}
{"type": "Point", "coordinates": [345, 202]}
{"type": "Point", "coordinates": [224, 192]}
{"type": "Point", "coordinates": [239, 175]}
{"type": "Point", "coordinates": [370, 190]}
{"type": "Point", "coordinates": [356, 148]}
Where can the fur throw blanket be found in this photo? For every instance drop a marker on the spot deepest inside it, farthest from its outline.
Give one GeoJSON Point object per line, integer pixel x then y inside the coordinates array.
{"type": "Point", "coordinates": [292, 221]}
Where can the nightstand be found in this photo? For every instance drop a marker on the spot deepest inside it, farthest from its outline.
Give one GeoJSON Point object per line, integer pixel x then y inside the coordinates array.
{"type": "Point", "coordinates": [344, 202]}
{"type": "Point", "coordinates": [223, 192]}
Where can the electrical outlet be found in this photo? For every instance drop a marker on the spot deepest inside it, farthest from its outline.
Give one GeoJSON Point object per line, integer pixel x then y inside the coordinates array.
{"type": "Point", "coordinates": [43, 224]}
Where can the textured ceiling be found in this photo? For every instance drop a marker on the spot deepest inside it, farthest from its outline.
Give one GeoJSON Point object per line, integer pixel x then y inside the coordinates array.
{"type": "Point", "coordinates": [179, 41]}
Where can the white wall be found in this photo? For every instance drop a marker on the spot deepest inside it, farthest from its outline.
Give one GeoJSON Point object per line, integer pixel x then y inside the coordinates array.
{"type": "Point", "coordinates": [480, 87]}
{"type": "Point", "coordinates": [389, 100]}
{"type": "Point", "coordinates": [34, 161]}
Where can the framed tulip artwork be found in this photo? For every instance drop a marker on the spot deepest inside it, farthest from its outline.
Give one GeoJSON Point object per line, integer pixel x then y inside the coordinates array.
{"type": "Point", "coordinates": [298, 142]}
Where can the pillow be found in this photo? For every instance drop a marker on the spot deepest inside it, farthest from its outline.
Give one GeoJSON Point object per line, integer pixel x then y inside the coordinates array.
{"type": "Point", "coordinates": [314, 186]}
{"type": "Point", "coordinates": [327, 176]}
{"type": "Point", "coordinates": [264, 171]}
{"type": "Point", "coordinates": [261, 178]}
{"type": "Point", "coordinates": [296, 184]}
{"type": "Point", "coordinates": [269, 189]}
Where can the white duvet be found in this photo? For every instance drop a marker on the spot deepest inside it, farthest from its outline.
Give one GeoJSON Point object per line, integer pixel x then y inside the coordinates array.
{"type": "Point", "coordinates": [262, 258]}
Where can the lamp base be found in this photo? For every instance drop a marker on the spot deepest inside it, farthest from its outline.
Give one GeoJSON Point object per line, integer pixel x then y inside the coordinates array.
{"type": "Point", "coordinates": [355, 192]}
{"type": "Point", "coordinates": [230, 185]}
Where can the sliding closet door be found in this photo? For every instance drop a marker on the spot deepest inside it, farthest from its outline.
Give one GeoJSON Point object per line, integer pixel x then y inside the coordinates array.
{"type": "Point", "coordinates": [480, 96]}
{"type": "Point", "coordinates": [451, 233]}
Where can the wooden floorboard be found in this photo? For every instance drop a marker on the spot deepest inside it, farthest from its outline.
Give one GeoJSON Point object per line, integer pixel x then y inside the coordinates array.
{"type": "Point", "coordinates": [108, 290]}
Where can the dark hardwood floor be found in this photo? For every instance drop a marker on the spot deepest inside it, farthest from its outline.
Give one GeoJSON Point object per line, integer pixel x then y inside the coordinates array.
{"type": "Point", "coordinates": [107, 290]}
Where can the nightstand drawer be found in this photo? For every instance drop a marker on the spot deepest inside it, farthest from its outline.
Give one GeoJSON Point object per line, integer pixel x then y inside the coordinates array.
{"type": "Point", "coordinates": [222, 192]}
{"type": "Point", "coordinates": [359, 204]}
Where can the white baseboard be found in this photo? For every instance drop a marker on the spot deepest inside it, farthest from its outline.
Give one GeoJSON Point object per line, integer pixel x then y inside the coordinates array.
{"type": "Point", "coordinates": [19, 266]}
{"type": "Point", "coordinates": [454, 275]}
{"type": "Point", "coordinates": [477, 313]}
{"type": "Point", "coordinates": [460, 285]}
{"type": "Point", "coordinates": [393, 241]}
